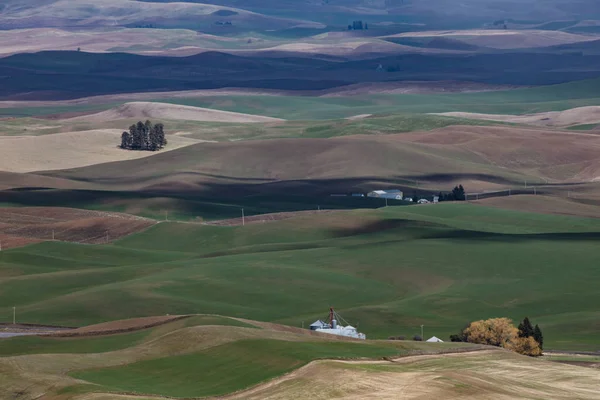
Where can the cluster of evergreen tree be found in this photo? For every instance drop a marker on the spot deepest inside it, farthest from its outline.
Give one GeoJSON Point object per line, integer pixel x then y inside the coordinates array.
{"type": "Point", "coordinates": [144, 136]}
{"type": "Point", "coordinates": [457, 194]}
{"type": "Point", "coordinates": [527, 330]}
{"type": "Point", "coordinates": [358, 26]}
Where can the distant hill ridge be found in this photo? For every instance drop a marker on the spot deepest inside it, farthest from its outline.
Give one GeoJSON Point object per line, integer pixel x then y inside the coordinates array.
{"type": "Point", "coordinates": [152, 110]}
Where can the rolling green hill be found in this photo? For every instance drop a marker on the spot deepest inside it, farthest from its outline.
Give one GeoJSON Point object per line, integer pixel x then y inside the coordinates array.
{"type": "Point", "coordinates": [165, 360]}
{"type": "Point", "coordinates": [390, 270]}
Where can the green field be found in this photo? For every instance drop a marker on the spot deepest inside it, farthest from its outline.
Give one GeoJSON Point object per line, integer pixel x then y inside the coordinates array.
{"type": "Point", "coordinates": [166, 360]}
{"type": "Point", "coordinates": [22, 345]}
{"type": "Point", "coordinates": [226, 368]}
{"type": "Point", "coordinates": [521, 101]}
{"type": "Point", "coordinates": [388, 270]}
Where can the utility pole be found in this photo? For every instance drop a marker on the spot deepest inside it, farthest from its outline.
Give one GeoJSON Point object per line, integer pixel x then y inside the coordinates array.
{"type": "Point", "coordinates": [243, 218]}
{"type": "Point", "coordinates": [14, 315]}
{"type": "Point", "coordinates": [422, 337]}
{"type": "Point", "coordinates": [386, 201]}
{"type": "Point", "coordinates": [534, 191]}
{"type": "Point", "coordinates": [302, 324]}
{"type": "Point", "coordinates": [526, 184]}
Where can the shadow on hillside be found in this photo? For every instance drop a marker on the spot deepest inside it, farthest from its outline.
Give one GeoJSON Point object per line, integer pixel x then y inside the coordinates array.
{"type": "Point", "coordinates": [410, 227]}
{"type": "Point", "coordinates": [466, 235]}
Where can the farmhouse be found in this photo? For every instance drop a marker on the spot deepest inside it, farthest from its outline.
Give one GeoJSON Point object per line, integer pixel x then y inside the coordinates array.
{"type": "Point", "coordinates": [386, 194]}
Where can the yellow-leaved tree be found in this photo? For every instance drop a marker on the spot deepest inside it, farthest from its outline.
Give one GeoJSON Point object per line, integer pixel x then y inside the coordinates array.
{"type": "Point", "coordinates": [501, 332]}
{"type": "Point", "coordinates": [494, 332]}
{"type": "Point", "coordinates": [527, 346]}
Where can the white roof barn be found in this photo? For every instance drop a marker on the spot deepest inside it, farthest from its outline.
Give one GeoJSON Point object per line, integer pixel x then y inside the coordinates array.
{"type": "Point", "coordinates": [386, 194]}
{"type": "Point", "coordinates": [318, 324]}
{"type": "Point", "coordinates": [434, 339]}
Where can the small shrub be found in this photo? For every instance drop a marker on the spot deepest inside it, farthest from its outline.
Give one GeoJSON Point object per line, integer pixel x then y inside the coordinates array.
{"type": "Point", "coordinates": [417, 338]}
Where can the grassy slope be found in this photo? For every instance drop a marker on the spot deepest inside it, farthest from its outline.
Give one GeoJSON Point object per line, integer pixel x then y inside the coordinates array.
{"type": "Point", "coordinates": [166, 360]}
{"type": "Point", "coordinates": [391, 270]}
{"type": "Point", "coordinates": [22, 345]}
{"type": "Point", "coordinates": [521, 101]}
{"type": "Point", "coordinates": [226, 368]}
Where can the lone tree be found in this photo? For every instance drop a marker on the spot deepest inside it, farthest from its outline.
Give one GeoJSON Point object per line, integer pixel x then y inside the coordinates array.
{"type": "Point", "coordinates": [458, 193]}
{"type": "Point", "coordinates": [144, 136]}
{"type": "Point", "coordinates": [525, 328]}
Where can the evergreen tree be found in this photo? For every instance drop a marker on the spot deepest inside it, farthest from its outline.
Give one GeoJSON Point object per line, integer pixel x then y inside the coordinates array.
{"type": "Point", "coordinates": [136, 137]}
{"type": "Point", "coordinates": [147, 131]}
{"type": "Point", "coordinates": [160, 135]}
{"type": "Point", "coordinates": [126, 140]}
{"type": "Point", "coordinates": [525, 328]}
{"type": "Point", "coordinates": [458, 193]}
{"type": "Point", "coordinates": [537, 335]}
{"type": "Point", "coordinates": [153, 139]}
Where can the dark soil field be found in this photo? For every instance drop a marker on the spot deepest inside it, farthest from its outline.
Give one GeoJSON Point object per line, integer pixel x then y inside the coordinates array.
{"type": "Point", "coordinates": [23, 226]}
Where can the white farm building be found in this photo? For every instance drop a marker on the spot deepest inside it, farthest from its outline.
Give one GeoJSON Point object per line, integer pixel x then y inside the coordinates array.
{"type": "Point", "coordinates": [434, 339]}
{"type": "Point", "coordinates": [333, 327]}
{"type": "Point", "coordinates": [386, 194]}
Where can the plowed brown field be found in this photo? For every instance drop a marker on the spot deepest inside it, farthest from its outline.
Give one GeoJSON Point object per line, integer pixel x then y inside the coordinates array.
{"type": "Point", "coordinates": [22, 226]}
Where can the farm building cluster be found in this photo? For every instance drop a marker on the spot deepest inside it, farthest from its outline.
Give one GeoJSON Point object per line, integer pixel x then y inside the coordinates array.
{"type": "Point", "coordinates": [334, 327]}
{"type": "Point", "coordinates": [391, 194]}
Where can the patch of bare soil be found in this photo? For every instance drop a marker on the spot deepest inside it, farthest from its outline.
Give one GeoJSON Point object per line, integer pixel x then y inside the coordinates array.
{"type": "Point", "coordinates": [71, 150]}
{"type": "Point", "coordinates": [413, 87]}
{"type": "Point", "coordinates": [575, 116]}
{"type": "Point", "coordinates": [121, 326]}
{"type": "Point", "coordinates": [585, 364]}
{"type": "Point", "coordinates": [504, 39]}
{"type": "Point", "coordinates": [23, 226]}
{"type": "Point", "coordinates": [144, 110]}
{"type": "Point", "coordinates": [556, 156]}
